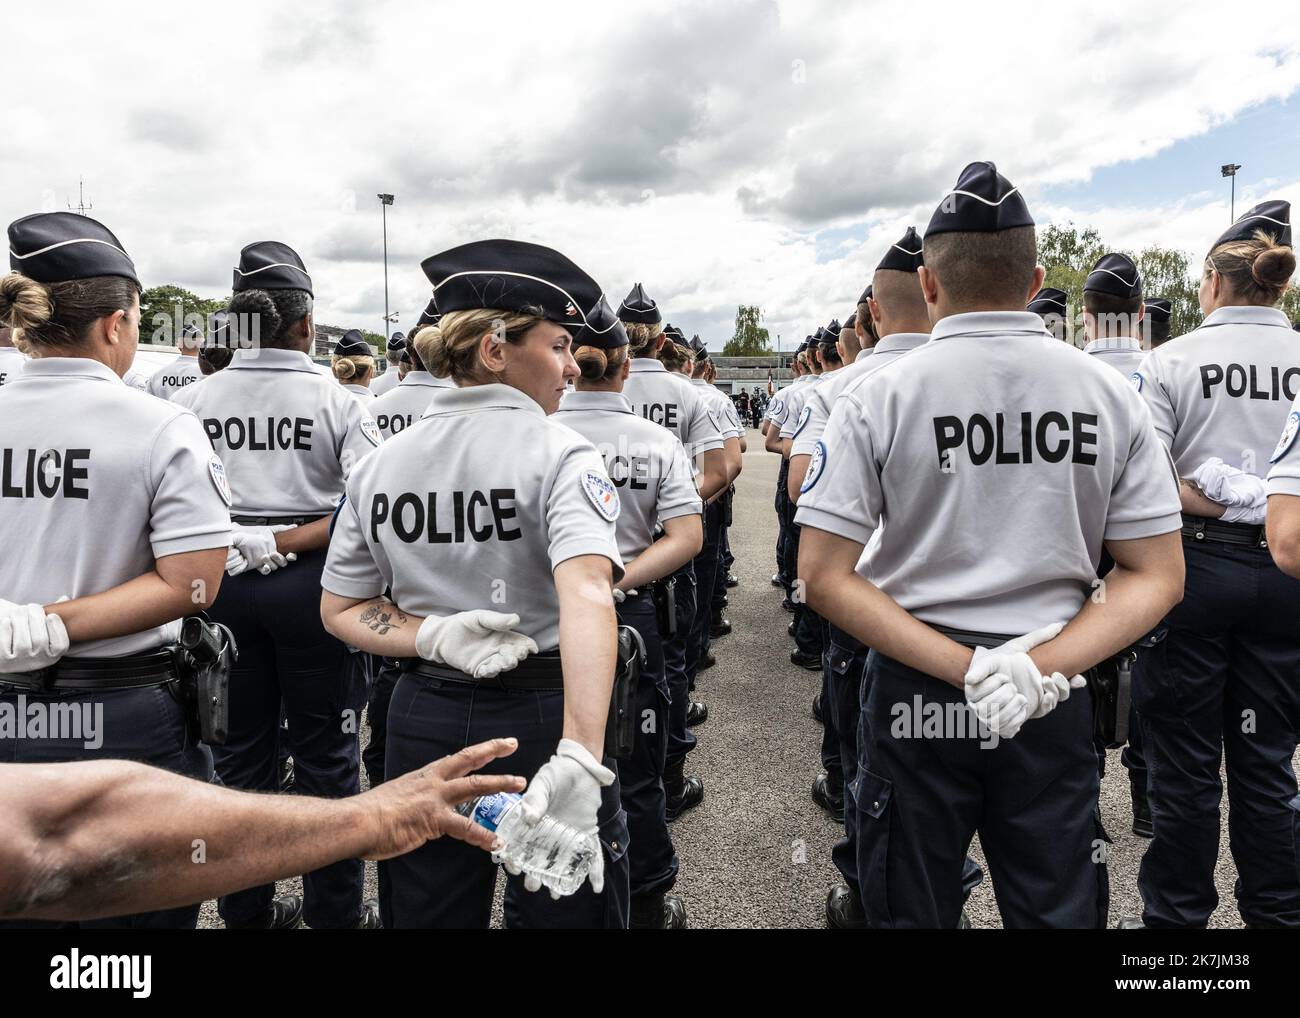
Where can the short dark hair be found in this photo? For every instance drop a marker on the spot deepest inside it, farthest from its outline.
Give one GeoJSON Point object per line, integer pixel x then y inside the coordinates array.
{"type": "Point", "coordinates": [1115, 316]}
{"type": "Point", "coordinates": [975, 268]}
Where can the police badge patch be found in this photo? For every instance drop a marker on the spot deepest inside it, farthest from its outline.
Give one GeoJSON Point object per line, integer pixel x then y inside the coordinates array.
{"type": "Point", "coordinates": [1136, 379]}
{"type": "Point", "coordinates": [804, 414]}
{"type": "Point", "coordinates": [220, 481]}
{"type": "Point", "coordinates": [1288, 436]}
{"type": "Point", "coordinates": [602, 494]}
{"type": "Point", "coordinates": [713, 419]}
{"type": "Point", "coordinates": [815, 467]}
{"type": "Point", "coordinates": [371, 430]}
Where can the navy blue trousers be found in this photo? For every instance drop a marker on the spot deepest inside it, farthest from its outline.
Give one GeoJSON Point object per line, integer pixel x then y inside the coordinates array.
{"type": "Point", "coordinates": [381, 691]}
{"type": "Point", "coordinates": [681, 740]}
{"type": "Point", "coordinates": [286, 655]}
{"type": "Point", "coordinates": [447, 884]}
{"type": "Point", "coordinates": [706, 578]}
{"type": "Point", "coordinates": [1223, 685]}
{"type": "Point", "coordinates": [652, 860]}
{"type": "Point", "coordinates": [845, 669]}
{"type": "Point", "coordinates": [920, 801]}
{"type": "Point", "coordinates": [782, 506]}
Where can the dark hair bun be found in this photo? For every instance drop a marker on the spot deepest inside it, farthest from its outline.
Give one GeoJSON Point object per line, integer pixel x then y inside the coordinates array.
{"type": "Point", "coordinates": [1273, 266]}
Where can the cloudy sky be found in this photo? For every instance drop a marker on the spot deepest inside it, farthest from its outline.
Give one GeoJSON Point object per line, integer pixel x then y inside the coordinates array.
{"type": "Point", "coordinates": [720, 153]}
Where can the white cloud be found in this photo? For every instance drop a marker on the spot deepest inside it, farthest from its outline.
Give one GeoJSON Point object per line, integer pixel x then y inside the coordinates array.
{"type": "Point", "coordinates": [696, 148]}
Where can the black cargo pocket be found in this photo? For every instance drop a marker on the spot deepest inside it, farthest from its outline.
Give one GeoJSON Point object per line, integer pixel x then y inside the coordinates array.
{"type": "Point", "coordinates": [1154, 695]}
{"type": "Point", "coordinates": [872, 794]}
{"type": "Point", "coordinates": [613, 842]}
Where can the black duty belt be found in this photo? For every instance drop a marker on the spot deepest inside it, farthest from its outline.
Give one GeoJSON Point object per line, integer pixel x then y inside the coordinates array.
{"type": "Point", "coordinates": [1246, 535]}
{"type": "Point", "coordinates": [81, 673]}
{"type": "Point", "coordinates": [539, 671]}
{"type": "Point", "coordinates": [967, 638]}
{"type": "Point", "coordinates": [277, 521]}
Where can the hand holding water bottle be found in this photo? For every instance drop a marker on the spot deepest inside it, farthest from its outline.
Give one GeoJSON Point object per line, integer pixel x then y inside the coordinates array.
{"type": "Point", "coordinates": [566, 789]}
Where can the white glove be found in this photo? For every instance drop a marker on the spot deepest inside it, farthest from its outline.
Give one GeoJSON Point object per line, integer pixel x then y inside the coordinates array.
{"type": "Point", "coordinates": [1056, 689]}
{"type": "Point", "coordinates": [999, 707]}
{"type": "Point", "coordinates": [29, 638]}
{"type": "Point", "coordinates": [1011, 660]}
{"type": "Point", "coordinates": [479, 643]}
{"type": "Point", "coordinates": [1244, 495]}
{"type": "Point", "coordinates": [567, 788]}
{"type": "Point", "coordinates": [619, 596]}
{"type": "Point", "coordinates": [254, 548]}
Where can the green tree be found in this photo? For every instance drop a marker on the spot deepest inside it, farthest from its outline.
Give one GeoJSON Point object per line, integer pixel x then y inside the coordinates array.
{"type": "Point", "coordinates": [750, 339]}
{"type": "Point", "coordinates": [376, 340]}
{"type": "Point", "coordinates": [166, 310]}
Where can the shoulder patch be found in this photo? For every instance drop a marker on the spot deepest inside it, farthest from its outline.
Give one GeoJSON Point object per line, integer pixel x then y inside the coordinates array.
{"type": "Point", "coordinates": [371, 430]}
{"type": "Point", "coordinates": [712, 415]}
{"type": "Point", "coordinates": [1288, 436]}
{"type": "Point", "coordinates": [601, 493]}
{"type": "Point", "coordinates": [815, 467]}
{"type": "Point", "coordinates": [1136, 379]}
{"type": "Point", "coordinates": [220, 481]}
{"type": "Point", "coordinates": [804, 415]}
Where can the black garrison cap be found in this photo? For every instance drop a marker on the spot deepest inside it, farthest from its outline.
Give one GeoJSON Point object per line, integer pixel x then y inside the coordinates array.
{"type": "Point", "coordinates": [1048, 301]}
{"type": "Point", "coordinates": [1273, 217]}
{"type": "Point", "coordinates": [904, 255]}
{"type": "Point", "coordinates": [983, 201]}
{"type": "Point", "coordinates": [639, 309]}
{"type": "Point", "coordinates": [511, 275]}
{"type": "Point", "coordinates": [270, 265]}
{"type": "Point", "coordinates": [54, 247]}
{"type": "Point", "coordinates": [1158, 309]}
{"type": "Point", "coordinates": [352, 344]}
{"type": "Point", "coordinates": [603, 329]}
{"type": "Point", "coordinates": [1115, 274]}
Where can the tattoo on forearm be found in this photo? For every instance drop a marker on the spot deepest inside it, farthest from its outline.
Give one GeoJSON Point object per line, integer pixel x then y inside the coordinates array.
{"type": "Point", "coordinates": [383, 617]}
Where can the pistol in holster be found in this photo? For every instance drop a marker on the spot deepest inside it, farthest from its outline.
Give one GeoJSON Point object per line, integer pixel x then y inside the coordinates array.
{"type": "Point", "coordinates": [204, 657]}
{"type": "Point", "coordinates": [620, 728]}
{"type": "Point", "coordinates": [1111, 685]}
{"type": "Point", "coordinates": [726, 505]}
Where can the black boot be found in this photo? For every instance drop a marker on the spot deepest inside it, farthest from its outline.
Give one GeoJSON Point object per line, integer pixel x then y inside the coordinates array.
{"type": "Point", "coordinates": [682, 792]}
{"type": "Point", "coordinates": [721, 626]}
{"type": "Point", "coordinates": [844, 909]}
{"type": "Point", "coordinates": [828, 796]}
{"type": "Point", "coordinates": [285, 913]}
{"type": "Point", "coordinates": [817, 709]}
{"type": "Point", "coordinates": [657, 912]}
{"type": "Point", "coordinates": [696, 714]}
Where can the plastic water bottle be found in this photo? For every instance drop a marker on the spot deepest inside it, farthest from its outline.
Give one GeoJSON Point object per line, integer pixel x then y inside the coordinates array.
{"type": "Point", "coordinates": [553, 852]}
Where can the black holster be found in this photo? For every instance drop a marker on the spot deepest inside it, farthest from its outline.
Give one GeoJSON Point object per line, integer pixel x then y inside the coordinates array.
{"type": "Point", "coordinates": [664, 593]}
{"type": "Point", "coordinates": [620, 728]}
{"type": "Point", "coordinates": [726, 505]}
{"type": "Point", "coordinates": [1111, 685]}
{"type": "Point", "coordinates": [204, 656]}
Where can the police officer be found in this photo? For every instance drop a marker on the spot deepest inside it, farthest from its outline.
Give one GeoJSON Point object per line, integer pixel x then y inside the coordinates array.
{"type": "Point", "coordinates": [670, 400]}
{"type": "Point", "coordinates": [652, 472]}
{"type": "Point", "coordinates": [1112, 314]}
{"type": "Point", "coordinates": [134, 471]}
{"type": "Point", "coordinates": [183, 371]}
{"type": "Point", "coordinates": [1283, 512]}
{"type": "Point", "coordinates": [863, 326]}
{"type": "Point", "coordinates": [1219, 397]}
{"type": "Point", "coordinates": [1113, 311]}
{"type": "Point", "coordinates": [991, 413]}
{"type": "Point", "coordinates": [1052, 306]}
{"type": "Point", "coordinates": [899, 317]}
{"type": "Point", "coordinates": [1158, 312]}
{"type": "Point", "coordinates": [288, 438]}
{"type": "Point", "coordinates": [405, 403]}
{"type": "Point", "coordinates": [708, 561]}
{"type": "Point", "coordinates": [500, 566]}
{"type": "Point", "coordinates": [11, 358]}
{"type": "Point", "coordinates": [393, 354]}
{"type": "Point", "coordinates": [807, 626]}
{"type": "Point", "coordinates": [353, 364]}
